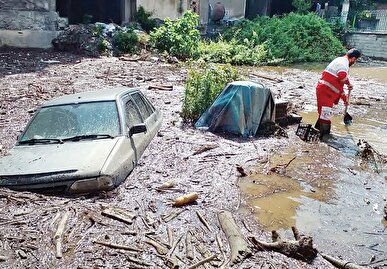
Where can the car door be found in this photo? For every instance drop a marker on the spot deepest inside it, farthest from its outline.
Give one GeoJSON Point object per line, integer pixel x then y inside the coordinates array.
{"type": "Point", "coordinates": [133, 117]}
{"type": "Point", "coordinates": [150, 115]}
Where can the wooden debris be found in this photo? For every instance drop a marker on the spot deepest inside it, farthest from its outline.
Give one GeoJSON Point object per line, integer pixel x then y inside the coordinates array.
{"type": "Point", "coordinates": [241, 171]}
{"type": "Point", "coordinates": [119, 214]}
{"type": "Point", "coordinates": [186, 199]}
{"type": "Point", "coordinates": [238, 245]}
{"type": "Point", "coordinates": [130, 59]}
{"type": "Point", "coordinates": [58, 237]}
{"type": "Point", "coordinates": [341, 263]}
{"type": "Point", "coordinates": [170, 236]}
{"type": "Point", "coordinates": [385, 212]}
{"type": "Point", "coordinates": [171, 216]}
{"type": "Point", "coordinates": [221, 249]}
{"type": "Point", "coordinates": [368, 155]}
{"type": "Point", "coordinates": [203, 220]}
{"type": "Point", "coordinates": [116, 246]}
{"type": "Point", "coordinates": [21, 254]}
{"type": "Point", "coordinates": [158, 246]}
{"type": "Point", "coordinates": [267, 77]}
{"type": "Point", "coordinates": [161, 87]}
{"type": "Point", "coordinates": [301, 248]}
{"type": "Point", "coordinates": [167, 185]}
{"type": "Point", "coordinates": [174, 245]}
{"type": "Point", "coordinates": [188, 246]}
{"type": "Point", "coordinates": [3, 258]}
{"type": "Point", "coordinates": [281, 168]}
{"type": "Point", "coordinates": [202, 262]}
{"type": "Point", "coordinates": [204, 148]}
{"type": "Point", "coordinates": [138, 261]}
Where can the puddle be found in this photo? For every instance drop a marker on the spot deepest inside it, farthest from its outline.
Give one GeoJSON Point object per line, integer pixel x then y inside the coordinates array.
{"type": "Point", "coordinates": [325, 193]}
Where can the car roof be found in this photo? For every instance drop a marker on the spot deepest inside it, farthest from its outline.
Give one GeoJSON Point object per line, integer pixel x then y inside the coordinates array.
{"type": "Point", "coordinates": [106, 94]}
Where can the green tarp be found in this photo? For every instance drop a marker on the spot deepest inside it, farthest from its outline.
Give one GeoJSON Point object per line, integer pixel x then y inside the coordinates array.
{"type": "Point", "coordinates": [239, 109]}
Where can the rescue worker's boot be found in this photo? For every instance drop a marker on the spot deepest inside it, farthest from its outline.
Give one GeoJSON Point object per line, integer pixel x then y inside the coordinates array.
{"type": "Point", "coordinates": [317, 124]}
{"type": "Point", "coordinates": [325, 130]}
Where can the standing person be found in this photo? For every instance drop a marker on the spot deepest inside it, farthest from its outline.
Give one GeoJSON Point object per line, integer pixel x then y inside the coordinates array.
{"type": "Point", "coordinates": [330, 89]}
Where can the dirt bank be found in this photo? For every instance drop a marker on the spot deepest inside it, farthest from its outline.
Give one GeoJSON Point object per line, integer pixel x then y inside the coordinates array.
{"type": "Point", "coordinates": [29, 221]}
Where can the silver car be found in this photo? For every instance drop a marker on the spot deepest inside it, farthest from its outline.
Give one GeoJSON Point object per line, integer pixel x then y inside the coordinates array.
{"type": "Point", "coordinates": [80, 143]}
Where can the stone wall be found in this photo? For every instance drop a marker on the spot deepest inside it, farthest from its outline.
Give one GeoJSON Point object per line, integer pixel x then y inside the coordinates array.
{"type": "Point", "coordinates": [28, 23]}
{"type": "Point", "coordinates": [371, 44]}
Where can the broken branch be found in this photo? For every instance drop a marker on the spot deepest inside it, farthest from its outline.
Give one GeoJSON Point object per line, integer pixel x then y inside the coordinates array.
{"type": "Point", "coordinates": [341, 263]}
{"type": "Point", "coordinates": [58, 237]}
{"type": "Point", "coordinates": [116, 246]}
{"type": "Point", "coordinates": [202, 262]}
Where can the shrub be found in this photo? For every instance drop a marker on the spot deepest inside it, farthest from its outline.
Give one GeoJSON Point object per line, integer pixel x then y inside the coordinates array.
{"type": "Point", "coordinates": [125, 41]}
{"type": "Point", "coordinates": [293, 38]}
{"type": "Point", "coordinates": [231, 52]}
{"type": "Point", "coordinates": [203, 86]}
{"type": "Point", "coordinates": [177, 37]}
{"type": "Point", "coordinates": [143, 18]}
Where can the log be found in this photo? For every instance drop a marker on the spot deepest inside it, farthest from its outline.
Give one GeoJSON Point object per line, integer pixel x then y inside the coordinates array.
{"type": "Point", "coordinates": [119, 214]}
{"type": "Point", "coordinates": [239, 247]}
{"type": "Point", "coordinates": [116, 246]}
{"type": "Point", "coordinates": [161, 87]}
{"type": "Point", "coordinates": [188, 246]}
{"type": "Point", "coordinates": [58, 237]}
{"type": "Point", "coordinates": [341, 263]}
{"type": "Point", "coordinates": [202, 262]}
{"type": "Point", "coordinates": [159, 248]}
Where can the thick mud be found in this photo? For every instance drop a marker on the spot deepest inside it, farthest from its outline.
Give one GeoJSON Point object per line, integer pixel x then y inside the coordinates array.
{"type": "Point", "coordinates": [29, 221]}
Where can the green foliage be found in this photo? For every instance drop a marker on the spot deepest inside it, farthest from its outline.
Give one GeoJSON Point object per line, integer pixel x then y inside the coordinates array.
{"type": "Point", "coordinates": [231, 52]}
{"type": "Point", "coordinates": [143, 18]}
{"type": "Point", "coordinates": [104, 46]}
{"type": "Point", "coordinates": [98, 31]}
{"type": "Point", "coordinates": [293, 38]}
{"type": "Point", "coordinates": [203, 86]}
{"type": "Point", "coordinates": [177, 37]}
{"type": "Point", "coordinates": [302, 6]}
{"type": "Point", "coordinates": [125, 41]}
{"type": "Point", "coordinates": [338, 28]}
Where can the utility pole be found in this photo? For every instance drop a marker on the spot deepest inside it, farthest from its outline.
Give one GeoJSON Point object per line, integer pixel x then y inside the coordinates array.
{"type": "Point", "coordinates": [344, 11]}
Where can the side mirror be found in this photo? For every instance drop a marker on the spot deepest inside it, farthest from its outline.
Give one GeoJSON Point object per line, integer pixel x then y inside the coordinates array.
{"type": "Point", "coordinates": [139, 128]}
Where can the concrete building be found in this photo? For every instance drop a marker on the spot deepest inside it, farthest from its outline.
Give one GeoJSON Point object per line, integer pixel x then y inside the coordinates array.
{"type": "Point", "coordinates": [31, 24]}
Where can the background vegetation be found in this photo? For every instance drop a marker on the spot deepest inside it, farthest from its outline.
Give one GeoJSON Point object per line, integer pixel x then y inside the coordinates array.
{"type": "Point", "coordinates": [205, 82]}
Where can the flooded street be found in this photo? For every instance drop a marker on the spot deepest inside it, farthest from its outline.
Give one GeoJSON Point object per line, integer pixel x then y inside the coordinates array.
{"type": "Point", "coordinates": [325, 191]}
{"type": "Point", "coordinates": [317, 187]}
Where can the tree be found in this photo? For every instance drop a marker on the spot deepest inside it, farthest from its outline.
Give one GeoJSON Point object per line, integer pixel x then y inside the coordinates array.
{"type": "Point", "coordinates": [302, 6]}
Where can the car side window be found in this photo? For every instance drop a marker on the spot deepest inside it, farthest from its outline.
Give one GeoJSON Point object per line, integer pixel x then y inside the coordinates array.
{"type": "Point", "coordinates": [144, 107]}
{"type": "Point", "coordinates": [133, 116]}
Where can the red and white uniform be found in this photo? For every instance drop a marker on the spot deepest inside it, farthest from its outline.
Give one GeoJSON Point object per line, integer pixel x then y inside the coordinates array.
{"type": "Point", "coordinates": [330, 87]}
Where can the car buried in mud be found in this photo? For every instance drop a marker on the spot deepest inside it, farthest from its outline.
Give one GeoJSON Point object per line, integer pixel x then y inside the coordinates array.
{"type": "Point", "coordinates": [82, 143]}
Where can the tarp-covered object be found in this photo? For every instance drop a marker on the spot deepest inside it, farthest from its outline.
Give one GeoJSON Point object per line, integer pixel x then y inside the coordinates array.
{"type": "Point", "coordinates": [239, 109]}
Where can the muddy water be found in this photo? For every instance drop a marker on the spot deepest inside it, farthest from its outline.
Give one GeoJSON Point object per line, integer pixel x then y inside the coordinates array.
{"type": "Point", "coordinates": [322, 189]}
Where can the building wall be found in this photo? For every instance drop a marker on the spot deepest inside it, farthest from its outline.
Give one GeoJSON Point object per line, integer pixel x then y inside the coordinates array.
{"type": "Point", "coordinates": [233, 9]}
{"type": "Point", "coordinates": [371, 44]}
{"type": "Point", "coordinates": [165, 8]}
{"type": "Point", "coordinates": [30, 23]}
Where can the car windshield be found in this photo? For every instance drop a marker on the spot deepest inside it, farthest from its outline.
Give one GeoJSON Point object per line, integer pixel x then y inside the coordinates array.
{"type": "Point", "coordinates": [94, 119]}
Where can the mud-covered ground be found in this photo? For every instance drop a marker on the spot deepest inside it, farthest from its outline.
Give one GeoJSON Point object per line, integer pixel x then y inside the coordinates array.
{"type": "Point", "coordinates": [28, 222]}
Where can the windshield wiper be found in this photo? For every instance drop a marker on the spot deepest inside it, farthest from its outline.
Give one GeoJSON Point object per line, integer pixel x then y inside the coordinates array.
{"type": "Point", "coordinates": [89, 136]}
{"type": "Point", "coordinates": [41, 141]}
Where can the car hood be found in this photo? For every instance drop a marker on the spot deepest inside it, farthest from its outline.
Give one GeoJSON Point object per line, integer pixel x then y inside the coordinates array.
{"type": "Point", "coordinates": [81, 157]}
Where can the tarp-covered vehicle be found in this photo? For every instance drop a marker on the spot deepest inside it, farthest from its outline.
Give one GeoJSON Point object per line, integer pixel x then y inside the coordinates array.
{"type": "Point", "coordinates": [240, 109]}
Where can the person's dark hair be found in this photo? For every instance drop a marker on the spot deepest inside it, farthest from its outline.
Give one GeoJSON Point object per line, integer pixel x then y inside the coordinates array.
{"type": "Point", "coordinates": [354, 53]}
